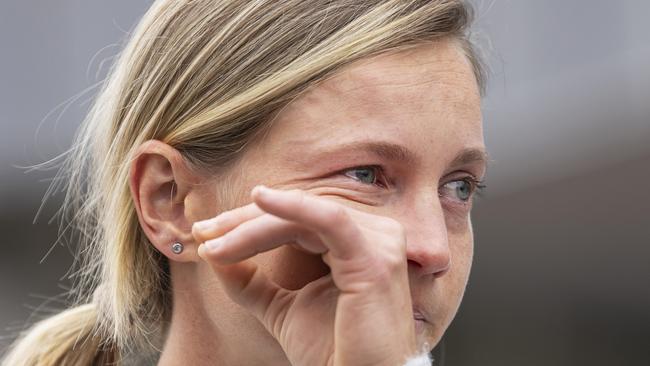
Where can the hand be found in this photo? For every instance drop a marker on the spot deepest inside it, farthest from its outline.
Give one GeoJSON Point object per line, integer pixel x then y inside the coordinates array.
{"type": "Point", "coordinates": [362, 309]}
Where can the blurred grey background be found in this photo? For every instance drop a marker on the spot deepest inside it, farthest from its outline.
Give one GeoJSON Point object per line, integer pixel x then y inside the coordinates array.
{"type": "Point", "coordinates": [562, 266]}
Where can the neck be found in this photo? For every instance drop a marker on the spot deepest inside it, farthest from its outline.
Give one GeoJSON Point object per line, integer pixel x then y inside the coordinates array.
{"type": "Point", "coordinates": [209, 329]}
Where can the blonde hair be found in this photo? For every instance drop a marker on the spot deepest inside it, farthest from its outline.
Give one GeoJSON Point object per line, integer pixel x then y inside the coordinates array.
{"type": "Point", "coordinates": [205, 77]}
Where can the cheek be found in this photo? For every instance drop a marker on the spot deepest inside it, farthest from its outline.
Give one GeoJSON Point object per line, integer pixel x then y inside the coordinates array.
{"type": "Point", "coordinates": [461, 244]}
{"type": "Point", "coordinates": [459, 224]}
{"type": "Point", "coordinates": [202, 204]}
{"type": "Point", "coordinates": [462, 253]}
{"type": "Point", "coordinates": [291, 268]}
{"type": "Point", "coordinates": [453, 285]}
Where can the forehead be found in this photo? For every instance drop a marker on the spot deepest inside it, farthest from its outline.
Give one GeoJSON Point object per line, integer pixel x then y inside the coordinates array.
{"type": "Point", "coordinates": [424, 98]}
{"type": "Point", "coordinates": [436, 71]}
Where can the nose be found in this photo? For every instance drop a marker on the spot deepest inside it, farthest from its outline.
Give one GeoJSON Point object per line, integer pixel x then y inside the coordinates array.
{"type": "Point", "coordinates": [427, 241]}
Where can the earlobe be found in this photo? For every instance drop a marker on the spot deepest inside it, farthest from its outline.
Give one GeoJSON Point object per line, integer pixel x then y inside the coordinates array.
{"type": "Point", "coordinates": [160, 182]}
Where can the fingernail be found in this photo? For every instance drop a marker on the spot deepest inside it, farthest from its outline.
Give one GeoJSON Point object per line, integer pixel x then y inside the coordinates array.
{"type": "Point", "coordinates": [201, 251]}
{"type": "Point", "coordinates": [260, 189]}
{"type": "Point", "coordinates": [203, 225]}
{"type": "Point", "coordinates": [214, 243]}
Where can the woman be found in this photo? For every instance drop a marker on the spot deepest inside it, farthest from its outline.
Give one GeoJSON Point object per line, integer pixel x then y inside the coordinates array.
{"type": "Point", "coordinates": [359, 120]}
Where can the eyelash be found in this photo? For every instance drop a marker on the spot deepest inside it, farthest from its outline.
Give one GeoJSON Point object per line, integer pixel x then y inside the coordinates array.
{"type": "Point", "coordinates": [477, 187]}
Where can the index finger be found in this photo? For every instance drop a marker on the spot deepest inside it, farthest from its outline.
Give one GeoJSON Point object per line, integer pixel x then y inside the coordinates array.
{"type": "Point", "coordinates": [330, 220]}
{"type": "Point", "coordinates": [224, 222]}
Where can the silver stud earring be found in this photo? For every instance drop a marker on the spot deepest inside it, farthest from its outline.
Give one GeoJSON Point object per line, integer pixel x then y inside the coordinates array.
{"type": "Point", "coordinates": [177, 248]}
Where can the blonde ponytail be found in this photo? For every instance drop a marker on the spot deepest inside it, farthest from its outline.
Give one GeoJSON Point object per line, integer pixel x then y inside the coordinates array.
{"type": "Point", "coordinates": [67, 338]}
{"type": "Point", "coordinates": [206, 77]}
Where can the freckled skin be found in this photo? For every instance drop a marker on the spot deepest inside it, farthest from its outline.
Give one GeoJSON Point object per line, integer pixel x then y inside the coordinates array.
{"type": "Point", "coordinates": [425, 99]}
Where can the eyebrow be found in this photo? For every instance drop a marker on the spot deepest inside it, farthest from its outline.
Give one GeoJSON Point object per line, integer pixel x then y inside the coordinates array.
{"type": "Point", "coordinates": [471, 155]}
{"type": "Point", "coordinates": [394, 152]}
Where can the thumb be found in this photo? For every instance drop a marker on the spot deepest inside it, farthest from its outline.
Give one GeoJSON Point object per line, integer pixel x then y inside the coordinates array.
{"type": "Point", "coordinates": [247, 285]}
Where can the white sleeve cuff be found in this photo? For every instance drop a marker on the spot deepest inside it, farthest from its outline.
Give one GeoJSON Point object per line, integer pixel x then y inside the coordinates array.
{"type": "Point", "coordinates": [420, 360]}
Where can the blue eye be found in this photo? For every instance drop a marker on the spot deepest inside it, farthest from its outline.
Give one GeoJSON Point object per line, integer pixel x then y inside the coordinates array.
{"type": "Point", "coordinates": [364, 174]}
{"type": "Point", "coordinates": [463, 189]}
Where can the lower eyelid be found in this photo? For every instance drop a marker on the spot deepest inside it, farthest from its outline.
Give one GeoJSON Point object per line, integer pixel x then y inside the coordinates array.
{"type": "Point", "coordinates": [354, 194]}
{"type": "Point", "coordinates": [460, 202]}
{"type": "Point", "coordinates": [362, 188]}
{"type": "Point", "coordinates": [457, 209]}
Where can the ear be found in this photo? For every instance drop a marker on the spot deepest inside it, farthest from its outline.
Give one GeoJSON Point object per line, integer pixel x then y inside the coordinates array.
{"type": "Point", "coordinates": [161, 181]}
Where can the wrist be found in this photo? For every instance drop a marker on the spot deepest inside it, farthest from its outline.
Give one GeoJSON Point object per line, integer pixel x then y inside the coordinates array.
{"type": "Point", "coordinates": [421, 359]}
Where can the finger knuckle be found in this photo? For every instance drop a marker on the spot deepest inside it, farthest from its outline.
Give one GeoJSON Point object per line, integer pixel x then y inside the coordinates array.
{"type": "Point", "coordinates": [395, 229]}
{"type": "Point", "coordinates": [338, 216]}
{"type": "Point", "coordinates": [394, 253]}
{"type": "Point", "coordinates": [299, 198]}
{"type": "Point", "coordinates": [386, 267]}
{"type": "Point", "coordinates": [393, 261]}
